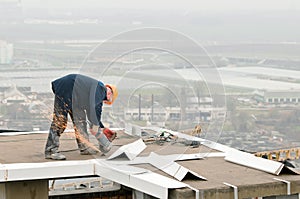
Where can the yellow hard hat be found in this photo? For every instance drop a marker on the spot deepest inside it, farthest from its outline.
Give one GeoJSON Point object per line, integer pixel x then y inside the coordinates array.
{"type": "Point", "coordinates": [115, 93]}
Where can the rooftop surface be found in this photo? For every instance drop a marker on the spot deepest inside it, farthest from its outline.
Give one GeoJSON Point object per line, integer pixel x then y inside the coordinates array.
{"type": "Point", "coordinates": [250, 182]}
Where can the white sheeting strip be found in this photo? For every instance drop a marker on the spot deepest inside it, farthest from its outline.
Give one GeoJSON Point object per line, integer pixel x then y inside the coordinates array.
{"type": "Point", "coordinates": [249, 160]}
{"type": "Point", "coordinates": [129, 150]}
{"type": "Point", "coordinates": [288, 185]}
{"type": "Point", "coordinates": [235, 190]}
{"type": "Point", "coordinates": [172, 157]}
{"type": "Point", "coordinates": [136, 178]}
{"type": "Point", "coordinates": [172, 168]}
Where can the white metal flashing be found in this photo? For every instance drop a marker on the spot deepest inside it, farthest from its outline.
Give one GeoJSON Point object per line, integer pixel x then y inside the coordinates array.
{"type": "Point", "coordinates": [235, 190]}
{"type": "Point", "coordinates": [129, 150]}
{"type": "Point", "coordinates": [128, 128]}
{"type": "Point", "coordinates": [172, 168]}
{"type": "Point", "coordinates": [288, 185]}
{"type": "Point", "coordinates": [155, 184]}
{"type": "Point", "coordinates": [138, 178]}
{"type": "Point", "coordinates": [172, 157]}
{"type": "Point", "coordinates": [197, 193]}
{"type": "Point", "coordinates": [193, 156]}
{"type": "Point", "coordinates": [132, 129]}
{"type": "Point", "coordinates": [45, 170]}
{"type": "Point", "coordinates": [3, 173]}
{"type": "Point", "coordinates": [249, 160]}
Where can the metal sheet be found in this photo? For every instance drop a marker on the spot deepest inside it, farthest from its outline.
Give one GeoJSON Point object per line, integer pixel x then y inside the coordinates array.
{"type": "Point", "coordinates": [3, 173]}
{"type": "Point", "coordinates": [139, 179]}
{"type": "Point", "coordinates": [155, 184]}
{"type": "Point", "coordinates": [132, 129]}
{"type": "Point", "coordinates": [288, 185]}
{"type": "Point", "coordinates": [136, 178]}
{"type": "Point", "coordinates": [137, 160]}
{"type": "Point", "coordinates": [172, 157]}
{"type": "Point", "coordinates": [129, 150]}
{"type": "Point", "coordinates": [235, 190]}
{"type": "Point", "coordinates": [249, 160]}
{"type": "Point", "coordinates": [26, 171]}
{"type": "Point", "coordinates": [172, 168]}
{"type": "Point", "coordinates": [193, 156]}
{"type": "Point", "coordinates": [128, 128]}
{"type": "Point", "coordinates": [122, 168]}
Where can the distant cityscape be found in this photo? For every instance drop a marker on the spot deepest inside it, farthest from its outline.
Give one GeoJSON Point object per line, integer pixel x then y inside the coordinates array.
{"type": "Point", "coordinates": [252, 117]}
{"type": "Point", "coordinates": [261, 79]}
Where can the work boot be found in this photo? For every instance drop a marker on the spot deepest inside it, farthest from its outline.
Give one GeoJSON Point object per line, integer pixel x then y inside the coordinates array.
{"type": "Point", "coordinates": [55, 156]}
{"type": "Point", "coordinates": [88, 151]}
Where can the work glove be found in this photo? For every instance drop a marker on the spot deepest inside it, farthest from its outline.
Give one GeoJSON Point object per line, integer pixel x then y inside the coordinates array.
{"type": "Point", "coordinates": [111, 135]}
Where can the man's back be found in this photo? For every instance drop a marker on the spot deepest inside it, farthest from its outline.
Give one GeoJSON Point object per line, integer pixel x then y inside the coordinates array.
{"type": "Point", "coordinates": [78, 90]}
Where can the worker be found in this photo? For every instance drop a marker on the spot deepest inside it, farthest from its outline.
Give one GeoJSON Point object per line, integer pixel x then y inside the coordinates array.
{"type": "Point", "coordinates": [82, 98]}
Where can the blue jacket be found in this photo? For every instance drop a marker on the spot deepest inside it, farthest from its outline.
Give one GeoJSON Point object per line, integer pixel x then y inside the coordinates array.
{"type": "Point", "coordinates": [80, 93]}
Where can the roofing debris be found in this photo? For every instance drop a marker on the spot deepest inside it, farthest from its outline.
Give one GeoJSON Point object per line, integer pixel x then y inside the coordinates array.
{"type": "Point", "coordinates": [160, 138]}
{"type": "Point", "coordinates": [207, 143]}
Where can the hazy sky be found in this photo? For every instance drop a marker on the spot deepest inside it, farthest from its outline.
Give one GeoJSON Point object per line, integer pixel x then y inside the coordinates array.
{"type": "Point", "coordinates": [205, 20]}
{"type": "Point", "coordinates": [207, 5]}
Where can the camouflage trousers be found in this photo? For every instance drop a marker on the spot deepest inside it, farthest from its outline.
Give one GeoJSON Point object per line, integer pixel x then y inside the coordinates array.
{"type": "Point", "coordinates": [59, 124]}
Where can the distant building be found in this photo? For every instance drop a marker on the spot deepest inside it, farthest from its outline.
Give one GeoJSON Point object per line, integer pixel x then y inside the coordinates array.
{"type": "Point", "coordinates": [147, 114]}
{"type": "Point", "coordinates": [6, 52]}
{"type": "Point", "coordinates": [278, 97]}
{"type": "Point", "coordinates": [174, 114]}
{"type": "Point", "coordinates": [197, 109]}
{"type": "Point", "coordinates": [13, 95]}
